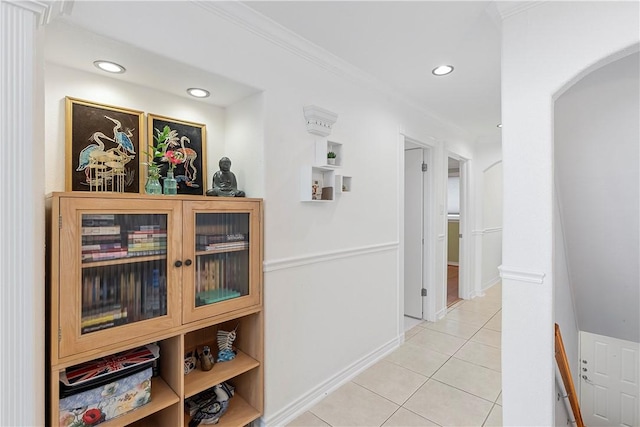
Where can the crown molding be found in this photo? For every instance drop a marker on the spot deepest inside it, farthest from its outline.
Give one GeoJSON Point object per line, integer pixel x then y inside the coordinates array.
{"type": "Point", "coordinates": [507, 9]}
{"type": "Point", "coordinates": [46, 10]}
{"type": "Point", "coordinates": [259, 24]}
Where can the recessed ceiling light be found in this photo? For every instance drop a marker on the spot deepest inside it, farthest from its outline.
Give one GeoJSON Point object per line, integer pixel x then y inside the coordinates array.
{"type": "Point", "coordinates": [197, 92]}
{"type": "Point", "coordinates": [110, 67]}
{"type": "Point", "coordinates": [500, 125]}
{"type": "Point", "coordinates": [442, 70]}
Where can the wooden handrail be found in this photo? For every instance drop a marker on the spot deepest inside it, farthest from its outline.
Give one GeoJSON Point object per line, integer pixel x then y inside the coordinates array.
{"type": "Point", "coordinates": [565, 373]}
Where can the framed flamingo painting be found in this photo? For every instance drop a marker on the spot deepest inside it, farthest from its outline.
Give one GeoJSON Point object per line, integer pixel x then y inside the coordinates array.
{"type": "Point", "coordinates": [178, 146]}
{"type": "Point", "coordinates": [102, 147]}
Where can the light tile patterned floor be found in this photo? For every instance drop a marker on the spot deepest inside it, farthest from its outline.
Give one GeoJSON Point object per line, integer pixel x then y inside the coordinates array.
{"type": "Point", "coordinates": [445, 374]}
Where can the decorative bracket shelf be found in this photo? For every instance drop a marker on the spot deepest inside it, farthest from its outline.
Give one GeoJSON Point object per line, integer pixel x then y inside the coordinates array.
{"type": "Point", "coordinates": [319, 120]}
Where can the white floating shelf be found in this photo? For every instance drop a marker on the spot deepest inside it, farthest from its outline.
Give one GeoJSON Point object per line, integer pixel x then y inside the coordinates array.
{"type": "Point", "coordinates": [323, 147]}
{"type": "Point", "coordinates": [324, 177]}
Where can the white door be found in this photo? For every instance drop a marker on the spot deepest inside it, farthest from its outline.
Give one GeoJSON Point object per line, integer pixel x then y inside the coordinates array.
{"type": "Point", "coordinates": [413, 232]}
{"type": "Point", "coordinates": [609, 381]}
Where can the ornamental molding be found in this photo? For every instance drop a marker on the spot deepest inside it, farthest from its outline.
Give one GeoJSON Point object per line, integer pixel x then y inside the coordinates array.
{"type": "Point", "coordinates": [519, 275]}
{"type": "Point", "coordinates": [46, 10]}
{"type": "Point", "coordinates": [507, 9]}
{"type": "Point", "coordinates": [319, 120]}
{"type": "Point", "coordinates": [253, 21]}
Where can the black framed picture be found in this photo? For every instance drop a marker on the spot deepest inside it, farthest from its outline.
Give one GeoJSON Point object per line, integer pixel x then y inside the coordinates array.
{"type": "Point", "coordinates": [102, 147]}
{"type": "Point", "coordinates": [179, 145]}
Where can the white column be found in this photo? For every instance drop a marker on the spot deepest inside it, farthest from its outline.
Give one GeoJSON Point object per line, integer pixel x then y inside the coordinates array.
{"type": "Point", "coordinates": [22, 261]}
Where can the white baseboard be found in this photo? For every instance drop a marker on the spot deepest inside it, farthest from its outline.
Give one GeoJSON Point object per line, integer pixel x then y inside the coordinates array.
{"type": "Point", "coordinates": [490, 283]}
{"type": "Point", "coordinates": [440, 314]}
{"type": "Point", "coordinates": [307, 401]}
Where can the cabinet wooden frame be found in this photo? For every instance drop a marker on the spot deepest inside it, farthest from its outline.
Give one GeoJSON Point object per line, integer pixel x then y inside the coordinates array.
{"type": "Point", "coordinates": [172, 332]}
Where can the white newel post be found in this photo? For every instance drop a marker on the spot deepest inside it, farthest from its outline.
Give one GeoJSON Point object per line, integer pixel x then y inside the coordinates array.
{"type": "Point", "coordinates": [22, 228]}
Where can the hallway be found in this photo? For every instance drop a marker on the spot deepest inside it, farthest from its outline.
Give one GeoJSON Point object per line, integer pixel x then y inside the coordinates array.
{"type": "Point", "coordinates": [446, 373]}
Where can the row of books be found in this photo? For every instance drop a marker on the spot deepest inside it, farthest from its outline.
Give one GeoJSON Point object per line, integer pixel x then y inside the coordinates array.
{"type": "Point", "coordinates": [205, 239]}
{"type": "Point", "coordinates": [98, 220]}
{"type": "Point", "coordinates": [222, 246]}
{"type": "Point", "coordinates": [118, 296]}
{"type": "Point", "coordinates": [144, 241]}
{"type": "Point", "coordinates": [220, 278]}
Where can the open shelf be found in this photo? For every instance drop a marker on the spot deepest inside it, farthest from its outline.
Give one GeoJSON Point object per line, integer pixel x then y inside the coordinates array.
{"type": "Point", "coordinates": [323, 147]}
{"type": "Point", "coordinates": [239, 413]}
{"type": "Point", "coordinates": [343, 184]}
{"type": "Point", "coordinates": [197, 380]}
{"type": "Point", "coordinates": [325, 179]}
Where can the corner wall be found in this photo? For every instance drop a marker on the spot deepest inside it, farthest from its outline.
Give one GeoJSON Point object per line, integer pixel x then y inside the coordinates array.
{"type": "Point", "coordinates": [573, 37]}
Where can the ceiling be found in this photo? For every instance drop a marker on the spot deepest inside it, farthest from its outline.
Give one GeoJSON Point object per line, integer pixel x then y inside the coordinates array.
{"type": "Point", "coordinates": [400, 42]}
{"type": "Point", "coordinates": [397, 43]}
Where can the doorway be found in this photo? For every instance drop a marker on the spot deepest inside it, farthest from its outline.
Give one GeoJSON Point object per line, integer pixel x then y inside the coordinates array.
{"type": "Point", "coordinates": [416, 225]}
{"type": "Point", "coordinates": [454, 230]}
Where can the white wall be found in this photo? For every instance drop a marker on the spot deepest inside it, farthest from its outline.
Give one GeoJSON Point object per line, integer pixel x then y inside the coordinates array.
{"type": "Point", "coordinates": [331, 269]}
{"type": "Point", "coordinates": [492, 224]}
{"type": "Point", "coordinates": [597, 163]}
{"type": "Point", "coordinates": [572, 36]}
{"type": "Point", "coordinates": [487, 226]}
{"type": "Point", "coordinates": [62, 81]}
{"type": "Point", "coordinates": [244, 136]}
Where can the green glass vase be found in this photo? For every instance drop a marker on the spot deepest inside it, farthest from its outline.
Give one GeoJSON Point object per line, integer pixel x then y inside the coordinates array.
{"type": "Point", "coordinates": [170, 185]}
{"type": "Point", "coordinates": [152, 186]}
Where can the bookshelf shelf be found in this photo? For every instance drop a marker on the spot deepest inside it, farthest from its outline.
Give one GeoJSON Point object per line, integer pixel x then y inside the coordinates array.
{"type": "Point", "coordinates": [129, 271]}
{"type": "Point", "coordinates": [124, 260]}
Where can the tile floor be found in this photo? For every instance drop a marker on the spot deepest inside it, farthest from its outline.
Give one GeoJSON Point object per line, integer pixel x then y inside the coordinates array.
{"type": "Point", "coordinates": [445, 374]}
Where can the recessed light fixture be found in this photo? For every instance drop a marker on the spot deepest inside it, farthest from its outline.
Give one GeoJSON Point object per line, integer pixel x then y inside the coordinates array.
{"type": "Point", "coordinates": [442, 70]}
{"type": "Point", "coordinates": [198, 93]}
{"type": "Point", "coordinates": [500, 125]}
{"type": "Point", "coordinates": [110, 67]}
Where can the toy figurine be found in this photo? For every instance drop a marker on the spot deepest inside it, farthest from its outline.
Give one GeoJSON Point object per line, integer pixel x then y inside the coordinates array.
{"type": "Point", "coordinates": [225, 345]}
{"type": "Point", "coordinates": [206, 359]}
{"type": "Point", "coordinates": [189, 362]}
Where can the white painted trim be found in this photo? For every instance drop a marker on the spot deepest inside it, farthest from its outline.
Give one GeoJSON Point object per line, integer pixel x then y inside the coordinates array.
{"type": "Point", "coordinates": [45, 10]}
{"type": "Point", "coordinates": [442, 313]}
{"type": "Point", "coordinates": [519, 275]}
{"type": "Point", "coordinates": [308, 400]}
{"type": "Point", "coordinates": [441, 236]}
{"type": "Point", "coordinates": [507, 9]}
{"type": "Point", "coordinates": [492, 230]}
{"type": "Point", "coordinates": [490, 283]}
{"type": "Point", "coordinates": [22, 225]}
{"type": "Point", "coordinates": [477, 232]}
{"type": "Point", "coordinates": [285, 263]}
{"type": "Point", "coordinates": [255, 22]}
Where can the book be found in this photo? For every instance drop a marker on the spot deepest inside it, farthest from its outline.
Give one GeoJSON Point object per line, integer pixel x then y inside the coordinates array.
{"type": "Point", "coordinates": [205, 239]}
{"type": "Point", "coordinates": [101, 230]}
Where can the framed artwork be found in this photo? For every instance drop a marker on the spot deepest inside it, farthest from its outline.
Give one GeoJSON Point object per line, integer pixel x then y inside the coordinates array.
{"type": "Point", "coordinates": [179, 144]}
{"type": "Point", "coordinates": [102, 146]}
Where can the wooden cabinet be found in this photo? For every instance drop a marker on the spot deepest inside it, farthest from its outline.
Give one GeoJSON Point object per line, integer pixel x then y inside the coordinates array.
{"type": "Point", "coordinates": [128, 270]}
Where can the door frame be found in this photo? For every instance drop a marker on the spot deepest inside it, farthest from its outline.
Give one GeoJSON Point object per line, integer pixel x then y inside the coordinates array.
{"type": "Point", "coordinates": [429, 230]}
{"type": "Point", "coordinates": [464, 243]}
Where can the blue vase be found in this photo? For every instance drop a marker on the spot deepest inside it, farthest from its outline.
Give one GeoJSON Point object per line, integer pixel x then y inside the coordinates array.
{"type": "Point", "coordinates": [170, 185]}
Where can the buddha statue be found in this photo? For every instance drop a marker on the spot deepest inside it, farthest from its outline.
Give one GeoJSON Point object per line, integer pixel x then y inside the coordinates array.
{"type": "Point", "coordinates": [224, 181]}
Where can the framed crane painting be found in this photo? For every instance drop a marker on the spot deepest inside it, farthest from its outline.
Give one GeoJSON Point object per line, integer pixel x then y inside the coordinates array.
{"type": "Point", "coordinates": [102, 147]}
{"type": "Point", "coordinates": [178, 149]}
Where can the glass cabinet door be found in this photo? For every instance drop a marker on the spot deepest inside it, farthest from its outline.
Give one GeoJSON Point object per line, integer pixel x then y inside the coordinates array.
{"type": "Point", "coordinates": [223, 277]}
{"type": "Point", "coordinates": [121, 278]}
{"type": "Point", "coordinates": [124, 269]}
{"type": "Point", "coordinates": [222, 257]}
